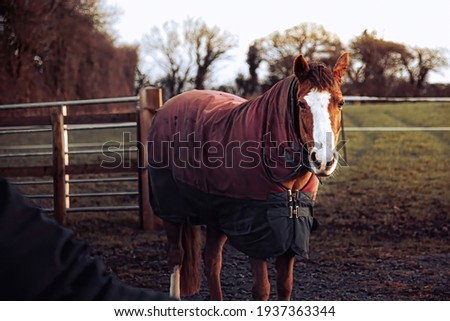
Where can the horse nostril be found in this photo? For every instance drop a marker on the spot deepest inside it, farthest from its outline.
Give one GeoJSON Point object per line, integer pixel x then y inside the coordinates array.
{"type": "Point", "coordinates": [333, 159]}
{"type": "Point", "coordinates": [314, 159]}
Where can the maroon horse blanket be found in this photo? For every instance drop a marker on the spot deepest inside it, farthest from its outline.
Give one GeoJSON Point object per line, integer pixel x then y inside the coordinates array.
{"type": "Point", "coordinates": [218, 159]}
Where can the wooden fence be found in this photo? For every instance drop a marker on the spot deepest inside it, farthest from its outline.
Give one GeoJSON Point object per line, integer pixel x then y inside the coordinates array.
{"type": "Point", "coordinates": [137, 110]}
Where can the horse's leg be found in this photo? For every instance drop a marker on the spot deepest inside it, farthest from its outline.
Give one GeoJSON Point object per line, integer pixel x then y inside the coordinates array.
{"type": "Point", "coordinates": [285, 269]}
{"type": "Point", "coordinates": [175, 256]}
{"type": "Point", "coordinates": [213, 261]}
{"type": "Point", "coordinates": [261, 285]}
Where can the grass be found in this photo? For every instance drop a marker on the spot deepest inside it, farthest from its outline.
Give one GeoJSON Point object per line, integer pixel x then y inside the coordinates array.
{"type": "Point", "coordinates": [396, 185]}
{"type": "Point", "coordinates": [400, 114]}
{"type": "Point", "coordinates": [398, 162]}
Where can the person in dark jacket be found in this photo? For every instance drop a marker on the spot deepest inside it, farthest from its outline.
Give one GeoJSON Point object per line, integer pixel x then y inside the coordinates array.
{"type": "Point", "coordinates": [41, 260]}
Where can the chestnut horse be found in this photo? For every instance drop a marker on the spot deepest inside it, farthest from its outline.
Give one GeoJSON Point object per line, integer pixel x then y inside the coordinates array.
{"type": "Point", "coordinates": [248, 170]}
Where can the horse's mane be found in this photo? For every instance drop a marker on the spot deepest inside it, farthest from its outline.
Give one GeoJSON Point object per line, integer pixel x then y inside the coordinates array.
{"type": "Point", "coordinates": [320, 76]}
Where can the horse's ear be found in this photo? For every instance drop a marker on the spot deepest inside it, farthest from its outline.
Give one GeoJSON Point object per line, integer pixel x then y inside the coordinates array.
{"type": "Point", "coordinates": [341, 66]}
{"type": "Point", "coordinates": [301, 68]}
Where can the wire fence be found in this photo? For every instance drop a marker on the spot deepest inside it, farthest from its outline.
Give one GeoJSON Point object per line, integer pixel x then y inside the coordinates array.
{"type": "Point", "coordinates": [51, 151]}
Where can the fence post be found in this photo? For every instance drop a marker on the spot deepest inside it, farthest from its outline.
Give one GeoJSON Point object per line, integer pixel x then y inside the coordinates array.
{"type": "Point", "coordinates": [343, 137]}
{"type": "Point", "coordinates": [59, 169]}
{"type": "Point", "coordinates": [66, 158]}
{"type": "Point", "coordinates": [150, 99]}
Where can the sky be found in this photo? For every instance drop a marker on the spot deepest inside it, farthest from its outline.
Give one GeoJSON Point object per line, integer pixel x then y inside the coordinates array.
{"type": "Point", "coordinates": [415, 23]}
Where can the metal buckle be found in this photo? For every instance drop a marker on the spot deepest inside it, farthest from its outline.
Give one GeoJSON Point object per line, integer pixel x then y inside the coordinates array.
{"type": "Point", "coordinates": [293, 207]}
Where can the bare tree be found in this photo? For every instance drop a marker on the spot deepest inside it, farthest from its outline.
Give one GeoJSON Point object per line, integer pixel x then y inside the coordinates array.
{"type": "Point", "coordinates": [168, 51]}
{"type": "Point", "coordinates": [186, 55]}
{"type": "Point", "coordinates": [208, 44]}
{"type": "Point", "coordinates": [419, 62]}
{"type": "Point", "coordinates": [377, 64]}
{"type": "Point", "coordinates": [280, 48]}
{"type": "Point", "coordinates": [248, 86]}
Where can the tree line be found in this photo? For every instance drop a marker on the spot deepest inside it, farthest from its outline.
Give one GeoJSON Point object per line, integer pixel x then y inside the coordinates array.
{"type": "Point", "coordinates": [184, 55]}
{"type": "Point", "coordinates": [62, 49]}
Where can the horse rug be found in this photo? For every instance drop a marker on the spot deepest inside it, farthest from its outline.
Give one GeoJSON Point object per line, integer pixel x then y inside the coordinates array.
{"type": "Point", "coordinates": [218, 159]}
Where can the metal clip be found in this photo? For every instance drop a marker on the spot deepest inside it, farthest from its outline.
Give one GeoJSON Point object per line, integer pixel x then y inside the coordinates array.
{"type": "Point", "coordinates": [296, 211]}
{"type": "Point", "coordinates": [293, 207]}
{"type": "Point", "coordinates": [291, 210]}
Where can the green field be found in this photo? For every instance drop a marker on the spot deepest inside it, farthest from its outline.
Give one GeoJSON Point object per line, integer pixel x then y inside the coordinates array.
{"type": "Point", "coordinates": [411, 165]}
{"type": "Point", "coordinates": [394, 183]}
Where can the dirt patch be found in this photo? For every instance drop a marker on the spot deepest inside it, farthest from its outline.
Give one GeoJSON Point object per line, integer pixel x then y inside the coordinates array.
{"type": "Point", "coordinates": [357, 258]}
{"type": "Point", "coordinates": [384, 215]}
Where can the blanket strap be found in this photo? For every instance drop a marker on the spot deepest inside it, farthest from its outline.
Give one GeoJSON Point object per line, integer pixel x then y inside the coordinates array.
{"type": "Point", "coordinates": [283, 178]}
{"type": "Point", "coordinates": [293, 206]}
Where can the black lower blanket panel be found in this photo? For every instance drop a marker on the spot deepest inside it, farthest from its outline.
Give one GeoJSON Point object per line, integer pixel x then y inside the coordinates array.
{"type": "Point", "coordinates": [259, 229]}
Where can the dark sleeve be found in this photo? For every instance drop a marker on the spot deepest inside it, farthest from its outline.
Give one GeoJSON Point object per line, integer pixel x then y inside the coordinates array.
{"type": "Point", "coordinates": [41, 260]}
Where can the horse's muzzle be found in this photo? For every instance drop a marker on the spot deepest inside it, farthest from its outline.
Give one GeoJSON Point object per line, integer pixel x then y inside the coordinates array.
{"type": "Point", "coordinates": [323, 162]}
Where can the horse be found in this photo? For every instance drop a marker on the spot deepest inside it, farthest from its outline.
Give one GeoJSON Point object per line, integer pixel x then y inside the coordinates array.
{"type": "Point", "coordinates": [248, 170]}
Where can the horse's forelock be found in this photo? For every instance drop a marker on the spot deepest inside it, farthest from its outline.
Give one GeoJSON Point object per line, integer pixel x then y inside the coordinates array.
{"type": "Point", "coordinates": [320, 76]}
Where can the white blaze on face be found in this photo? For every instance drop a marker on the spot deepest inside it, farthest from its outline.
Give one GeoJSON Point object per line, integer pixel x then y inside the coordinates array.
{"type": "Point", "coordinates": [322, 133]}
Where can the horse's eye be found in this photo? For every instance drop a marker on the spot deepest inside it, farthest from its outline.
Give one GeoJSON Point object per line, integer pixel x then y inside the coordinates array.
{"type": "Point", "coordinates": [341, 103]}
{"type": "Point", "coordinates": [302, 105]}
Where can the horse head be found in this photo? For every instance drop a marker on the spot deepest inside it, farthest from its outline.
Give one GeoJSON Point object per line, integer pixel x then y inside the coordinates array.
{"type": "Point", "coordinates": [320, 101]}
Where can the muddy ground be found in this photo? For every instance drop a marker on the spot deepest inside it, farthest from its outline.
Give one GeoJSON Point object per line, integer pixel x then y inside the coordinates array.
{"type": "Point", "coordinates": [351, 258]}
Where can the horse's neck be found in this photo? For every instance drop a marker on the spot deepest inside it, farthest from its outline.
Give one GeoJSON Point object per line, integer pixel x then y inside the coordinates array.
{"type": "Point", "coordinates": [275, 100]}
{"type": "Point", "coordinates": [299, 182]}
{"type": "Point", "coordinates": [279, 103]}
{"type": "Point", "coordinates": [275, 91]}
